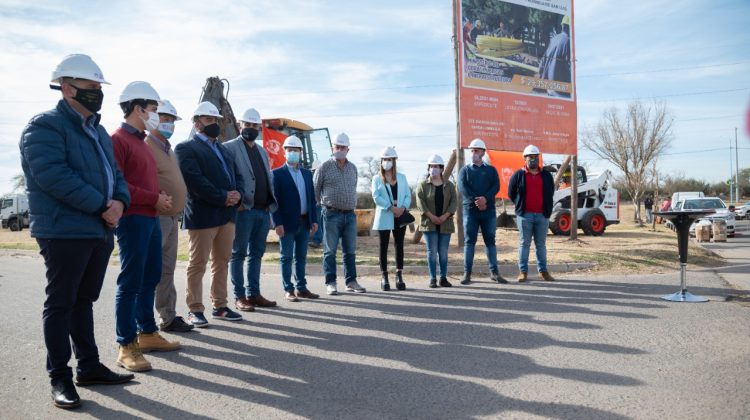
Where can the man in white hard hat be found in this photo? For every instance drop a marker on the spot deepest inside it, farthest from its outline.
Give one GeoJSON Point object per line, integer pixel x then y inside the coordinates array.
{"type": "Point", "coordinates": [531, 188]}
{"type": "Point", "coordinates": [254, 214]}
{"type": "Point", "coordinates": [214, 191]}
{"type": "Point", "coordinates": [172, 183]}
{"type": "Point", "coordinates": [336, 190]}
{"type": "Point", "coordinates": [76, 198]}
{"type": "Point", "coordinates": [479, 183]}
{"type": "Point", "coordinates": [295, 219]}
{"type": "Point", "coordinates": [139, 233]}
{"type": "Point", "coordinates": [555, 63]}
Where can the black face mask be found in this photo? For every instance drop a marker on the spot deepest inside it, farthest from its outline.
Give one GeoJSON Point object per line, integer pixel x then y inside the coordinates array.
{"type": "Point", "coordinates": [212, 130]}
{"type": "Point", "coordinates": [249, 134]}
{"type": "Point", "coordinates": [91, 99]}
{"type": "Point", "coordinates": [533, 163]}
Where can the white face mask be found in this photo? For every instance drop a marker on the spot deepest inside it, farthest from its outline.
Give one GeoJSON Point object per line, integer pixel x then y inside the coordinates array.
{"type": "Point", "coordinates": [387, 165]}
{"type": "Point", "coordinates": [476, 158]}
{"type": "Point", "coordinates": [435, 172]}
{"type": "Point", "coordinates": [166, 129]}
{"type": "Point", "coordinates": [152, 122]}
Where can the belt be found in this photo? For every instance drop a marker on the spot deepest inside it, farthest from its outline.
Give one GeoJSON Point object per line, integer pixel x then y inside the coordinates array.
{"type": "Point", "coordinates": [329, 208]}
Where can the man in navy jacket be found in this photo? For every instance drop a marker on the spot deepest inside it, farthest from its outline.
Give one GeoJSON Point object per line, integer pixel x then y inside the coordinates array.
{"type": "Point", "coordinates": [76, 198]}
{"type": "Point", "coordinates": [295, 219]}
{"type": "Point", "coordinates": [214, 190]}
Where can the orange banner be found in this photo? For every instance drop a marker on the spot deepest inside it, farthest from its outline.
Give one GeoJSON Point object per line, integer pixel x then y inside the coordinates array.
{"type": "Point", "coordinates": [272, 142]}
{"type": "Point", "coordinates": [517, 74]}
{"type": "Point", "coordinates": [506, 164]}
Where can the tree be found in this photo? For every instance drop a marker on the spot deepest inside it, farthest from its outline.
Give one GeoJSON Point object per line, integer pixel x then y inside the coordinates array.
{"type": "Point", "coordinates": [632, 141]}
{"type": "Point", "coordinates": [19, 182]}
{"type": "Point", "coordinates": [367, 171]}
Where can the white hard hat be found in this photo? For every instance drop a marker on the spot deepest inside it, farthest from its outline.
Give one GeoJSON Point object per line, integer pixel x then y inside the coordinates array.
{"type": "Point", "coordinates": [166, 107]}
{"type": "Point", "coordinates": [477, 144]}
{"type": "Point", "coordinates": [530, 150]}
{"type": "Point", "coordinates": [435, 160]}
{"type": "Point", "coordinates": [342, 140]}
{"type": "Point", "coordinates": [389, 152]}
{"type": "Point", "coordinates": [251, 116]}
{"type": "Point", "coordinates": [206, 109]}
{"type": "Point", "coordinates": [138, 90]}
{"type": "Point", "coordinates": [79, 66]}
{"type": "Point", "coordinates": [292, 141]}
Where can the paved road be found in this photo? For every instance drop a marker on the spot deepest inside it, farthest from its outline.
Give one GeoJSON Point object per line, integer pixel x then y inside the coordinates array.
{"type": "Point", "coordinates": [583, 347]}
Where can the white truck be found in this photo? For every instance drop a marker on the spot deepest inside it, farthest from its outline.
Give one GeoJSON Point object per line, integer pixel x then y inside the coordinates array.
{"type": "Point", "coordinates": [14, 211]}
{"type": "Point", "coordinates": [598, 205]}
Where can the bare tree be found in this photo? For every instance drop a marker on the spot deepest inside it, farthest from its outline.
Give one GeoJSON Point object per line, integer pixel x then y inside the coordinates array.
{"type": "Point", "coordinates": [632, 142]}
{"type": "Point", "coordinates": [19, 182]}
{"type": "Point", "coordinates": [367, 171]}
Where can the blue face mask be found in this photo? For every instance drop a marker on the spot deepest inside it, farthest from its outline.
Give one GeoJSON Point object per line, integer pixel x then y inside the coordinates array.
{"type": "Point", "coordinates": [292, 157]}
{"type": "Point", "coordinates": [166, 129]}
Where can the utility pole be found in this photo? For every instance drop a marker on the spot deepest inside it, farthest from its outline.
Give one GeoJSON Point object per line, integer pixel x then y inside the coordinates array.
{"type": "Point", "coordinates": [731, 171]}
{"type": "Point", "coordinates": [736, 168]}
{"type": "Point", "coordinates": [574, 198]}
{"type": "Point", "coordinates": [459, 150]}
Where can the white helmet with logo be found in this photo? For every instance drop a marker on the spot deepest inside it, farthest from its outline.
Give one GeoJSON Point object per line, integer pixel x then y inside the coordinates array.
{"type": "Point", "coordinates": [206, 109]}
{"type": "Point", "coordinates": [251, 115]}
{"type": "Point", "coordinates": [435, 160]}
{"type": "Point", "coordinates": [166, 107]}
{"type": "Point", "coordinates": [530, 150]}
{"type": "Point", "coordinates": [477, 144]}
{"type": "Point", "coordinates": [388, 153]}
{"type": "Point", "coordinates": [341, 140]}
{"type": "Point", "coordinates": [292, 141]}
{"type": "Point", "coordinates": [78, 66]}
{"type": "Point", "coordinates": [138, 90]}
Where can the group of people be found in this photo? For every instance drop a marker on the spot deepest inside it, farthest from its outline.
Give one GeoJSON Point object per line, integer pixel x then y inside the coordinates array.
{"type": "Point", "coordinates": [85, 188]}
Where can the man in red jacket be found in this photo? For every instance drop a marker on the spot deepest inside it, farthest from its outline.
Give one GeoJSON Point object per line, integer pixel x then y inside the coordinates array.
{"type": "Point", "coordinates": [139, 232]}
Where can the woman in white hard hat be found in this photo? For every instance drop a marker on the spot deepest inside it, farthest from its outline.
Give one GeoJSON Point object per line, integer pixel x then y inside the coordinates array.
{"type": "Point", "coordinates": [436, 200]}
{"type": "Point", "coordinates": [392, 199]}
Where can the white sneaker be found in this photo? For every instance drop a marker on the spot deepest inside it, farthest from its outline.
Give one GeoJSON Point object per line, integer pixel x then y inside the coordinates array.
{"type": "Point", "coordinates": [331, 289]}
{"type": "Point", "coordinates": [353, 286]}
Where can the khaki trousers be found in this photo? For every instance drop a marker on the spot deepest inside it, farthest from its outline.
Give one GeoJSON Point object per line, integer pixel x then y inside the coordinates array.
{"type": "Point", "coordinates": [216, 243]}
{"type": "Point", "coordinates": [166, 295]}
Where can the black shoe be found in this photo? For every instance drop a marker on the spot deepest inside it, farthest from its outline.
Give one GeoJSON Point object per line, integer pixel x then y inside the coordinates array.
{"type": "Point", "coordinates": [177, 325]}
{"type": "Point", "coordinates": [400, 285]}
{"type": "Point", "coordinates": [433, 283]}
{"type": "Point", "coordinates": [497, 278]}
{"type": "Point", "coordinates": [444, 282]}
{"type": "Point", "coordinates": [384, 285]}
{"type": "Point", "coordinates": [101, 375]}
{"type": "Point", "coordinates": [466, 279]}
{"type": "Point", "coordinates": [64, 394]}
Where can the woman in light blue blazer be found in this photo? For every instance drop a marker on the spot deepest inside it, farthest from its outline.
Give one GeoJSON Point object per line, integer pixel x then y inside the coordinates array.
{"type": "Point", "coordinates": [392, 198]}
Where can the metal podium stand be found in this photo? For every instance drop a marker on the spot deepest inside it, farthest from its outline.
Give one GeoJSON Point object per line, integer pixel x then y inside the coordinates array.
{"type": "Point", "coordinates": [682, 221]}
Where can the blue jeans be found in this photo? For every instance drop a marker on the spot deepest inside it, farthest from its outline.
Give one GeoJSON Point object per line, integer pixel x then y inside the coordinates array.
{"type": "Point", "coordinates": [139, 239]}
{"type": "Point", "coordinates": [251, 231]}
{"type": "Point", "coordinates": [318, 236]}
{"type": "Point", "coordinates": [437, 248]}
{"type": "Point", "coordinates": [473, 221]}
{"type": "Point", "coordinates": [536, 225]}
{"type": "Point", "coordinates": [293, 248]}
{"type": "Point", "coordinates": [341, 225]}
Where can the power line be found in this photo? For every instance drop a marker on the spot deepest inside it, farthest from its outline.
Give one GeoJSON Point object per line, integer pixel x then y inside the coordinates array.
{"type": "Point", "coordinates": [670, 95]}
{"type": "Point", "coordinates": [627, 73]}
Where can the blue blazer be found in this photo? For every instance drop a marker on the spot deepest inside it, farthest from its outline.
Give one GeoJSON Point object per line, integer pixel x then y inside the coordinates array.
{"type": "Point", "coordinates": [381, 193]}
{"type": "Point", "coordinates": [289, 206]}
{"type": "Point", "coordinates": [207, 184]}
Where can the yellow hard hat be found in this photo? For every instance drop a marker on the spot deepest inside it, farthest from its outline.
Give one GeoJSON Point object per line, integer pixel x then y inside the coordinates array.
{"type": "Point", "coordinates": [566, 20]}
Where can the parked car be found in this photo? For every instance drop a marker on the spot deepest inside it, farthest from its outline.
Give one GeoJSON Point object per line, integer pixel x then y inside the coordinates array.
{"type": "Point", "coordinates": [741, 212]}
{"type": "Point", "coordinates": [709, 203]}
{"type": "Point", "coordinates": [684, 195]}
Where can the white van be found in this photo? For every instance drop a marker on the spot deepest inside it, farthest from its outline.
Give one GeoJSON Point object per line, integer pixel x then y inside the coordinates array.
{"type": "Point", "coordinates": [684, 195]}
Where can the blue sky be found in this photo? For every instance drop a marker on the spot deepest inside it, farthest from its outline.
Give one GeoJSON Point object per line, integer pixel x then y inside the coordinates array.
{"type": "Point", "coordinates": [380, 71]}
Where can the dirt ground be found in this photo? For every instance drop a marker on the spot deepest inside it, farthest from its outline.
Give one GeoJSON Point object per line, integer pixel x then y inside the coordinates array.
{"type": "Point", "coordinates": [624, 248]}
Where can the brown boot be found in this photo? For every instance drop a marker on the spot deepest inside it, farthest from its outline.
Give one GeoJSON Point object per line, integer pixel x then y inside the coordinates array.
{"type": "Point", "coordinates": [155, 342]}
{"type": "Point", "coordinates": [522, 277]}
{"type": "Point", "coordinates": [131, 358]}
{"type": "Point", "coordinates": [261, 301]}
{"type": "Point", "coordinates": [244, 305]}
{"type": "Point", "coordinates": [546, 276]}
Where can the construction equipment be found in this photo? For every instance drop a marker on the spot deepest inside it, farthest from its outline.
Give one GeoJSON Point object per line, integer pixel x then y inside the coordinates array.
{"type": "Point", "coordinates": [598, 204]}
{"type": "Point", "coordinates": [14, 211]}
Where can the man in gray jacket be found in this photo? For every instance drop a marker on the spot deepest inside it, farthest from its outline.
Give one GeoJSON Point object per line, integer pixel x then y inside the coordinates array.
{"type": "Point", "coordinates": [254, 216]}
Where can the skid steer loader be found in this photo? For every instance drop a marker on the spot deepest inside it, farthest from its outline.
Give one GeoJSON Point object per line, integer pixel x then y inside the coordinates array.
{"type": "Point", "coordinates": [598, 204]}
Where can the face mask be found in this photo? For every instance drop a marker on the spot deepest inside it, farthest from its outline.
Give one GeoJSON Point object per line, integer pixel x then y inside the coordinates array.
{"type": "Point", "coordinates": [533, 163]}
{"type": "Point", "coordinates": [435, 172]}
{"type": "Point", "coordinates": [166, 130]}
{"type": "Point", "coordinates": [387, 165]}
{"type": "Point", "coordinates": [212, 130]}
{"type": "Point", "coordinates": [340, 154]}
{"type": "Point", "coordinates": [292, 157]}
{"type": "Point", "coordinates": [476, 158]}
{"type": "Point", "coordinates": [249, 134]}
{"type": "Point", "coordinates": [91, 99]}
{"type": "Point", "coordinates": [152, 122]}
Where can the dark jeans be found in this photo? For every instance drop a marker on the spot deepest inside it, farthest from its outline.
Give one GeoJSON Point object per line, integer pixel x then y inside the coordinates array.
{"type": "Point", "coordinates": [342, 226]}
{"type": "Point", "coordinates": [75, 273]}
{"type": "Point", "coordinates": [398, 239]}
{"type": "Point", "coordinates": [139, 239]}
{"type": "Point", "coordinates": [250, 233]}
{"type": "Point", "coordinates": [474, 220]}
{"type": "Point", "coordinates": [293, 249]}
{"type": "Point", "coordinates": [318, 236]}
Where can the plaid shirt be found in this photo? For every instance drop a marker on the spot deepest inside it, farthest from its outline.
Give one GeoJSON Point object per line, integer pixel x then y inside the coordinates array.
{"type": "Point", "coordinates": [336, 187]}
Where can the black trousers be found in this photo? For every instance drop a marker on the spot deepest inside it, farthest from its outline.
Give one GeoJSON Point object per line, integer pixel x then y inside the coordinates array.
{"type": "Point", "coordinates": [75, 273]}
{"type": "Point", "coordinates": [398, 239]}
